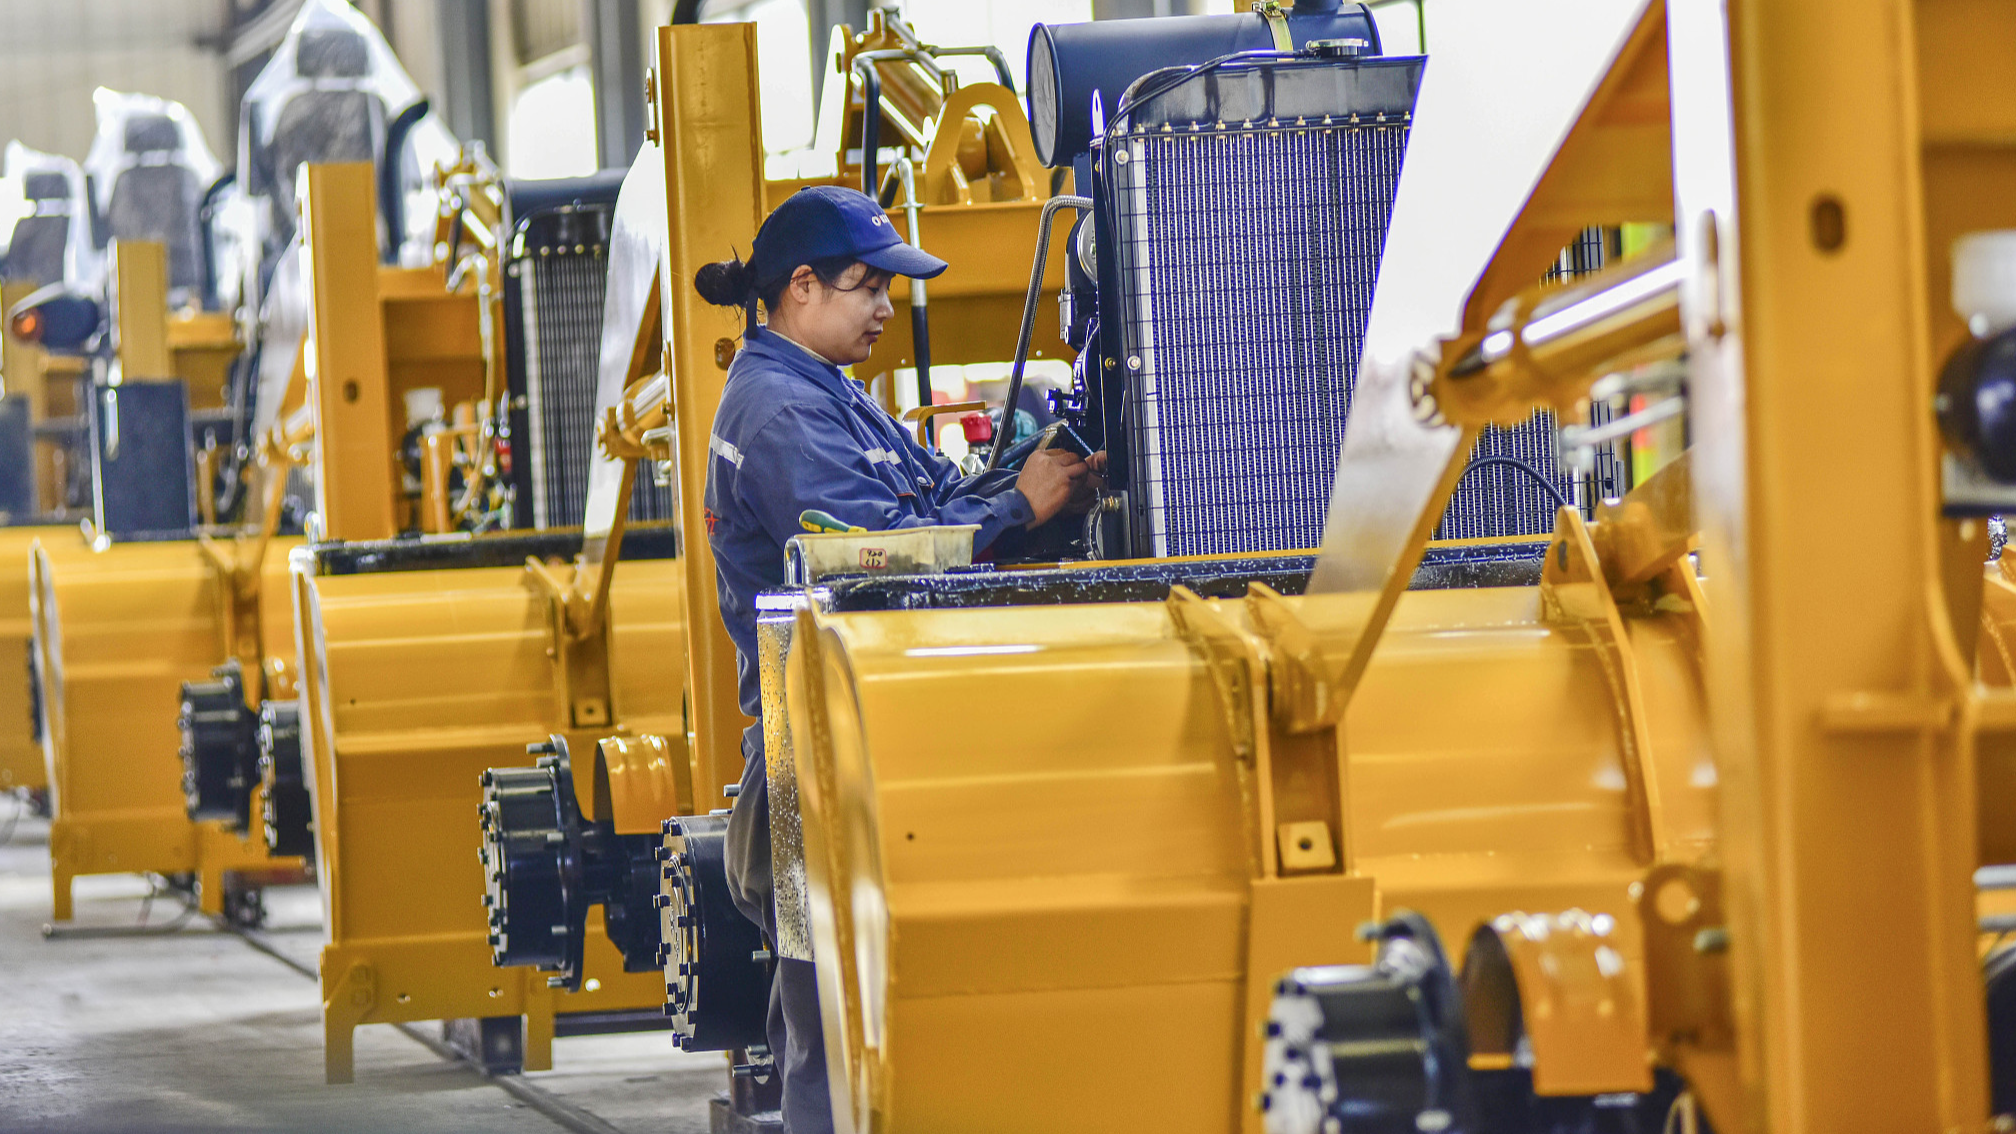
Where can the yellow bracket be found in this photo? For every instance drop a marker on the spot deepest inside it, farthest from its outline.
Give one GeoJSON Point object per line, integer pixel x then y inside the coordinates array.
{"type": "Point", "coordinates": [924, 415]}
{"type": "Point", "coordinates": [997, 147]}
{"type": "Point", "coordinates": [1560, 981]}
{"type": "Point", "coordinates": [1650, 530]}
{"type": "Point", "coordinates": [1575, 594]}
{"type": "Point", "coordinates": [1302, 683]}
{"type": "Point", "coordinates": [639, 780]}
{"type": "Point", "coordinates": [579, 647]}
{"type": "Point", "coordinates": [1688, 1009]}
{"type": "Point", "coordinates": [1230, 657]}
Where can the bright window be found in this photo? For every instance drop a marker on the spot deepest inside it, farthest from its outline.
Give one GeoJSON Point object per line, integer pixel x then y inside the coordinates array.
{"type": "Point", "coordinates": [552, 128]}
{"type": "Point", "coordinates": [1003, 23]}
{"type": "Point", "coordinates": [1399, 26]}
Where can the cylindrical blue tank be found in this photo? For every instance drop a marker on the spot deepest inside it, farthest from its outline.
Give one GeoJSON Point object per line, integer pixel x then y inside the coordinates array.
{"type": "Point", "coordinates": [1068, 62]}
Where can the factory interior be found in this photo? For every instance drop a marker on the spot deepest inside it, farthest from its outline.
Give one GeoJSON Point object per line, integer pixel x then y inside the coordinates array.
{"type": "Point", "coordinates": [1007, 566]}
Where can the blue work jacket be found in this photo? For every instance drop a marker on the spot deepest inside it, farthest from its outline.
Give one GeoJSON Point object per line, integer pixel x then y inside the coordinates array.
{"type": "Point", "coordinates": [794, 433]}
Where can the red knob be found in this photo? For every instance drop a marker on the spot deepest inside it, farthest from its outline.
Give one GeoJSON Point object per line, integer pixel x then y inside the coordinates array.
{"type": "Point", "coordinates": [978, 426]}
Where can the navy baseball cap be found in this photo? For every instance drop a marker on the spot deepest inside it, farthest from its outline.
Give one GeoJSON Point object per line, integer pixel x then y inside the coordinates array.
{"type": "Point", "coordinates": [828, 221]}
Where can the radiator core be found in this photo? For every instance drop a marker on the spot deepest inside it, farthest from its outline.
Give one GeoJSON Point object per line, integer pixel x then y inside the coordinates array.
{"type": "Point", "coordinates": [1249, 254]}
{"type": "Point", "coordinates": [561, 291]}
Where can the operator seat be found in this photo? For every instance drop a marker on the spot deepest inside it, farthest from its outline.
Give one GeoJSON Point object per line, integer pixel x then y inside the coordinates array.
{"type": "Point", "coordinates": [40, 240]}
{"type": "Point", "coordinates": [337, 119]}
{"type": "Point", "coordinates": [158, 198]}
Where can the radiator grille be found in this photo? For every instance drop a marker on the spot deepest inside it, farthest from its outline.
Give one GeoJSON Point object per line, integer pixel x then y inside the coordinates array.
{"type": "Point", "coordinates": [1500, 499]}
{"type": "Point", "coordinates": [562, 296]}
{"type": "Point", "coordinates": [1248, 258]}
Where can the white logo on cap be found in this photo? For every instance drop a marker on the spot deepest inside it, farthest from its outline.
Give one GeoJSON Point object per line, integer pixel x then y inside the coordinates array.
{"type": "Point", "coordinates": [878, 219]}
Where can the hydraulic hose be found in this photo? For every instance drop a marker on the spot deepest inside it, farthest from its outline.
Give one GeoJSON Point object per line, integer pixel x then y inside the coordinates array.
{"type": "Point", "coordinates": [391, 202]}
{"type": "Point", "coordinates": [1043, 225]}
{"type": "Point", "coordinates": [920, 303]}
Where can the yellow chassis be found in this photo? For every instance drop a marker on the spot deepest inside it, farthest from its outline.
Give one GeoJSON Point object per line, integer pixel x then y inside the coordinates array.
{"type": "Point", "coordinates": [413, 683]}
{"type": "Point", "coordinates": [117, 632]}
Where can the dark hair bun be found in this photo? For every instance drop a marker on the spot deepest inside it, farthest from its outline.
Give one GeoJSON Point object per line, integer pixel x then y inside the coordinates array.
{"type": "Point", "coordinates": [728, 283]}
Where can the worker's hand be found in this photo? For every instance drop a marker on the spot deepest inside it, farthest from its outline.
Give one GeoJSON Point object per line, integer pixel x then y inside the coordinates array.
{"type": "Point", "coordinates": [1050, 479]}
{"type": "Point", "coordinates": [1091, 488]}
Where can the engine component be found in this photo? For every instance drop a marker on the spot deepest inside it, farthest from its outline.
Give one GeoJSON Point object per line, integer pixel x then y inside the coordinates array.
{"type": "Point", "coordinates": [544, 864]}
{"type": "Point", "coordinates": [1377, 1049]}
{"type": "Point", "coordinates": [220, 747]}
{"type": "Point", "coordinates": [717, 968]}
{"type": "Point", "coordinates": [1071, 63]}
{"type": "Point", "coordinates": [556, 284]}
{"type": "Point", "coordinates": [1213, 468]}
{"type": "Point", "coordinates": [285, 811]}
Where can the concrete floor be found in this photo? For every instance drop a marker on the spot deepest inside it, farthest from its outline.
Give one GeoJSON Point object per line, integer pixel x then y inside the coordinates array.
{"type": "Point", "coordinates": [195, 1030]}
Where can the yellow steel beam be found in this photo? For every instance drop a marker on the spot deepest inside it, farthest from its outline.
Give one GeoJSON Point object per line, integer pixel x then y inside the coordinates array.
{"type": "Point", "coordinates": [346, 353]}
{"type": "Point", "coordinates": [140, 309]}
{"type": "Point", "coordinates": [710, 130]}
{"type": "Point", "coordinates": [21, 763]}
{"type": "Point", "coordinates": [1847, 828]}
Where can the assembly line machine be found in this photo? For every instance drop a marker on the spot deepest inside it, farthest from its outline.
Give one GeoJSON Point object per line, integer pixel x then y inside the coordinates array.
{"type": "Point", "coordinates": [1558, 830]}
{"type": "Point", "coordinates": [1446, 721]}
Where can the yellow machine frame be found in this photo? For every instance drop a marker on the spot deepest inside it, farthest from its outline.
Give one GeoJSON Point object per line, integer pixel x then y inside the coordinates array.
{"type": "Point", "coordinates": [119, 627]}
{"type": "Point", "coordinates": [1802, 949]}
{"type": "Point", "coordinates": [415, 682]}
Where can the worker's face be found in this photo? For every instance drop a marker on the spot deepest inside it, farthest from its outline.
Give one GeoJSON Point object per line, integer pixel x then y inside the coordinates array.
{"type": "Point", "coordinates": [840, 322]}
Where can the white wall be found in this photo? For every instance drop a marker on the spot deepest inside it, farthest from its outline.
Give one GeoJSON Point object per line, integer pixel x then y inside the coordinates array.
{"type": "Point", "coordinates": [53, 53]}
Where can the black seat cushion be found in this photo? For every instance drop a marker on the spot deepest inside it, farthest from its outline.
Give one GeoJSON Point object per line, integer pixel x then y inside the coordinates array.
{"type": "Point", "coordinates": [319, 127]}
{"type": "Point", "coordinates": [152, 133]}
{"type": "Point", "coordinates": [160, 202]}
{"type": "Point", "coordinates": [331, 53]}
{"type": "Point", "coordinates": [46, 187]}
{"type": "Point", "coordinates": [36, 255]}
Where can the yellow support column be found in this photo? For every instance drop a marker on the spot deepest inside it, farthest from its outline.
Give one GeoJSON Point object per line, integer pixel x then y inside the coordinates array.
{"type": "Point", "coordinates": [346, 354]}
{"type": "Point", "coordinates": [140, 309]}
{"type": "Point", "coordinates": [712, 139]}
{"type": "Point", "coordinates": [1847, 790]}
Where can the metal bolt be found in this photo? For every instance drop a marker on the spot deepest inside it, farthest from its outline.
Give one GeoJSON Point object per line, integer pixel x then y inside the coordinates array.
{"type": "Point", "coordinates": [1133, 362]}
{"type": "Point", "coordinates": [731, 790]}
{"type": "Point", "coordinates": [556, 982]}
{"type": "Point", "coordinates": [1714, 939]}
{"type": "Point", "coordinates": [762, 956]}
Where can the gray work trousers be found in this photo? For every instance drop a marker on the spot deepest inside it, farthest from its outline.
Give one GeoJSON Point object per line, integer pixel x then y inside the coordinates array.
{"type": "Point", "coordinates": [797, 1038]}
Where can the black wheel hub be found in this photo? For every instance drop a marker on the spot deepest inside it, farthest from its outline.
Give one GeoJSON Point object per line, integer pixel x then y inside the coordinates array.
{"type": "Point", "coordinates": [220, 750]}
{"type": "Point", "coordinates": [717, 969]}
{"type": "Point", "coordinates": [285, 811]}
{"type": "Point", "coordinates": [545, 864]}
{"type": "Point", "coordinates": [1371, 1049]}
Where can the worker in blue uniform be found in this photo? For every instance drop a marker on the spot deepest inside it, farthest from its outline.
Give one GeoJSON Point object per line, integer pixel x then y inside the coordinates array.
{"type": "Point", "coordinates": [794, 438]}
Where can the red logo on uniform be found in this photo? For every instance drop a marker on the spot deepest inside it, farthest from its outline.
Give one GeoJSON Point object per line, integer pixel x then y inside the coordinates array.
{"type": "Point", "coordinates": [711, 518]}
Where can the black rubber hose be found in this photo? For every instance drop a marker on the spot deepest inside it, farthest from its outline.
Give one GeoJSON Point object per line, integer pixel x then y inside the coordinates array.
{"type": "Point", "coordinates": [920, 336]}
{"type": "Point", "coordinates": [1553, 490]}
{"type": "Point", "coordinates": [206, 215]}
{"type": "Point", "coordinates": [993, 55]}
{"type": "Point", "coordinates": [686, 12]}
{"type": "Point", "coordinates": [1050, 208]}
{"type": "Point", "coordinates": [392, 202]}
{"type": "Point", "coordinates": [871, 119]}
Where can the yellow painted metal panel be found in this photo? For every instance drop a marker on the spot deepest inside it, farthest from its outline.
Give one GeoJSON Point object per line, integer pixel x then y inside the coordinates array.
{"type": "Point", "coordinates": [21, 764]}
{"type": "Point", "coordinates": [414, 683]}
